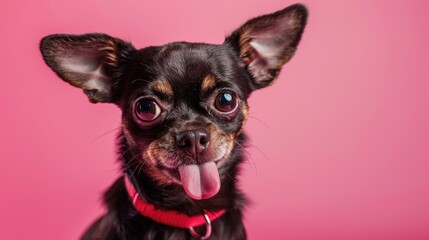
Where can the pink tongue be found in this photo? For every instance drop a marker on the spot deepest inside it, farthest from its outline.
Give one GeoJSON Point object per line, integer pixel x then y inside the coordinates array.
{"type": "Point", "coordinates": [200, 181]}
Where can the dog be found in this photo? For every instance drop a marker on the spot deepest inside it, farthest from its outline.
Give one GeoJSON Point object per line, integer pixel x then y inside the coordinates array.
{"type": "Point", "coordinates": [183, 110]}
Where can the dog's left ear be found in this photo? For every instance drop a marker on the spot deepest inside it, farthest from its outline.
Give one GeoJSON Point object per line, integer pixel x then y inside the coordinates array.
{"type": "Point", "coordinates": [267, 42]}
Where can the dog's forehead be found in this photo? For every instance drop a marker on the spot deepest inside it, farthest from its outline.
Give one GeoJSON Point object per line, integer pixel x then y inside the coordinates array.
{"type": "Point", "coordinates": [190, 63]}
{"type": "Point", "coordinates": [184, 69]}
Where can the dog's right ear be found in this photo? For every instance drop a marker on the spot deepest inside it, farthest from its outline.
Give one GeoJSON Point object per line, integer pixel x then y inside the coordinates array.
{"type": "Point", "coordinates": [91, 62]}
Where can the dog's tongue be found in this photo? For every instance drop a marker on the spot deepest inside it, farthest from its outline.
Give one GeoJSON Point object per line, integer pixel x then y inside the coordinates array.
{"type": "Point", "coordinates": [200, 181]}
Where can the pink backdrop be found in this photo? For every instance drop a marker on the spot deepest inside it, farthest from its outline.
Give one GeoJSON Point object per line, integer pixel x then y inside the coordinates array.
{"type": "Point", "coordinates": [340, 144]}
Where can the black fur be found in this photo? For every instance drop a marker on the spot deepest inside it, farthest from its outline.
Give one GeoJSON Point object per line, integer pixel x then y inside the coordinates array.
{"type": "Point", "coordinates": [122, 221]}
{"type": "Point", "coordinates": [185, 80]}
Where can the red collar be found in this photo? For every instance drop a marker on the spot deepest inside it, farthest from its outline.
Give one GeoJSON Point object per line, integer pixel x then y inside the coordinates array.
{"type": "Point", "coordinates": [166, 217]}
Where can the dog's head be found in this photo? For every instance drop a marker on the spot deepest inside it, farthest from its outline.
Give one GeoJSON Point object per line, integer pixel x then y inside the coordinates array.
{"type": "Point", "coordinates": [183, 104]}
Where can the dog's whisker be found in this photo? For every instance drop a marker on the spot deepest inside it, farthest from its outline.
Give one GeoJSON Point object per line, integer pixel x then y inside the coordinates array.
{"type": "Point", "coordinates": [104, 134]}
{"type": "Point", "coordinates": [135, 169]}
{"type": "Point", "coordinates": [126, 151]}
{"type": "Point", "coordinates": [131, 161]}
{"type": "Point", "coordinates": [140, 80]}
{"type": "Point", "coordinates": [260, 121]}
{"type": "Point", "coordinates": [259, 150]}
{"type": "Point", "coordinates": [229, 176]}
{"type": "Point", "coordinates": [141, 167]}
{"type": "Point", "coordinates": [248, 157]}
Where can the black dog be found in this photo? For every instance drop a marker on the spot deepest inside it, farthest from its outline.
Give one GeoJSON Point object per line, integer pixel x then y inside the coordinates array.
{"type": "Point", "coordinates": [183, 108]}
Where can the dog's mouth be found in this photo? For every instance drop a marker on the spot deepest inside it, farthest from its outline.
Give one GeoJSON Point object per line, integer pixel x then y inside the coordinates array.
{"type": "Point", "coordinates": [200, 178]}
{"type": "Point", "coordinates": [200, 181]}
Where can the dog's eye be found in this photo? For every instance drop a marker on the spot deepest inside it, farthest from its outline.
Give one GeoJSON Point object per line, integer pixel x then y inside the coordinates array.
{"type": "Point", "coordinates": [147, 109]}
{"type": "Point", "coordinates": [226, 102]}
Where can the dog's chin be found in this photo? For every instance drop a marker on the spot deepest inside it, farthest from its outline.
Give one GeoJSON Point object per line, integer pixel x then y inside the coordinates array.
{"type": "Point", "coordinates": [199, 181]}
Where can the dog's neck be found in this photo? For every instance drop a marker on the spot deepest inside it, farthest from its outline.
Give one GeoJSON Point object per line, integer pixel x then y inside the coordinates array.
{"type": "Point", "coordinates": [166, 217]}
{"type": "Point", "coordinates": [173, 197]}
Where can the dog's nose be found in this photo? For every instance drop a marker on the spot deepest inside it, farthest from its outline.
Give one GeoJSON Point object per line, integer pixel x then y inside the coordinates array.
{"type": "Point", "coordinates": [193, 141]}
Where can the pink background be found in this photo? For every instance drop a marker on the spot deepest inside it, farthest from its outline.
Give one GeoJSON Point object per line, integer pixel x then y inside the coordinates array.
{"type": "Point", "coordinates": [340, 144]}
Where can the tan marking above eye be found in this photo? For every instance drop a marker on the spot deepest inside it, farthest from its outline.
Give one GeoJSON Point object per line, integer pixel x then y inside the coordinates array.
{"type": "Point", "coordinates": [163, 86]}
{"type": "Point", "coordinates": [209, 82]}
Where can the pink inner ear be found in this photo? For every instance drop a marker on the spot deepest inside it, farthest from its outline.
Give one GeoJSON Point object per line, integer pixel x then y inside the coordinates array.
{"type": "Point", "coordinates": [250, 56]}
{"type": "Point", "coordinates": [269, 41]}
{"type": "Point", "coordinates": [268, 50]}
{"type": "Point", "coordinates": [79, 62]}
{"type": "Point", "coordinates": [87, 72]}
{"type": "Point", "coordinates": [85, 61]}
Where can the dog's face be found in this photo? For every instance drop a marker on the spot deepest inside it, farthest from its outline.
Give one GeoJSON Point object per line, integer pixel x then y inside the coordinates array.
{"type": "Point", "coordinates": [183, 111]}
{"type": "Point", "coordinates": [183, 104]}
